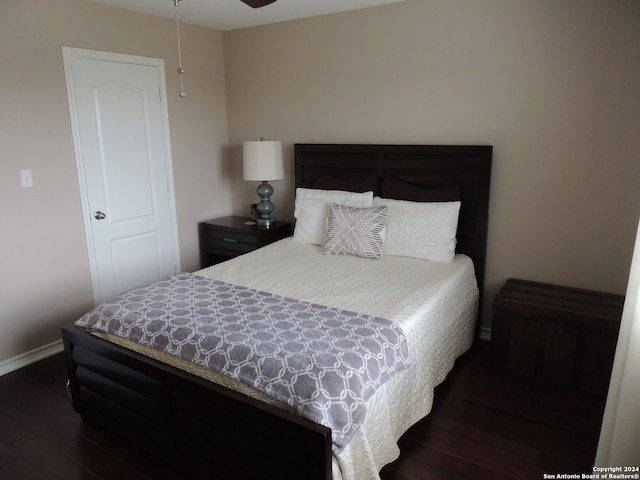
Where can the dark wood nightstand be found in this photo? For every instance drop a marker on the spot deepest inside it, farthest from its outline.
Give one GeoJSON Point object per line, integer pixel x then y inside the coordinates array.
{"type": "Point", "coordinates": [228, 237]}
{"type": "Point", "coordinates": [556, 335]}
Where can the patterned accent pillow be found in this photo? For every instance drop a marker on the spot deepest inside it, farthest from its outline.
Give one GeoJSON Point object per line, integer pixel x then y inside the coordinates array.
{"type": "Point", "coordinates": [355, 231]}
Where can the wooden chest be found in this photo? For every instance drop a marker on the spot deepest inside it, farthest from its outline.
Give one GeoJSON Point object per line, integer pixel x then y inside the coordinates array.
{"type": "Point", "coordinates": [556, 335]}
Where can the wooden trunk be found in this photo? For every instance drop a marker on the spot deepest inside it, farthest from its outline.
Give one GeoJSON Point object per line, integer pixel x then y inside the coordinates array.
{"type": "Point", "coordinates": [561, 336]}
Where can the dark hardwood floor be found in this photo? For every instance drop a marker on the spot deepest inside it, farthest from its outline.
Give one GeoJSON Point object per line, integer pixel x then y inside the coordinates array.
{"type": "Point", "coordinates": [484, 425]}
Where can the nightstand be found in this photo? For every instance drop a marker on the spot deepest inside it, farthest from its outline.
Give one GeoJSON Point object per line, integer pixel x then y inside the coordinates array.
{"type": "Point", "coordinates": [556, 335]}
{"type": "Point", "coordinates": [228, 237]}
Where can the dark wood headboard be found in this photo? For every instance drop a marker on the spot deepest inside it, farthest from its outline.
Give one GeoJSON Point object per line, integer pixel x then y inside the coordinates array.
{"type": "Point", "coordinates": [424, 165]}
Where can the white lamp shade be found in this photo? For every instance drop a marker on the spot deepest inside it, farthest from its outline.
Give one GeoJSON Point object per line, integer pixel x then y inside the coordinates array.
{"type": "Point", "coordinates": [262, 160]}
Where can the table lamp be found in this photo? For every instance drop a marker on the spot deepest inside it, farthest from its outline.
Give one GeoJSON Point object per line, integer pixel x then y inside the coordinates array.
{"type": "Point", "coordinates": [262, 161]}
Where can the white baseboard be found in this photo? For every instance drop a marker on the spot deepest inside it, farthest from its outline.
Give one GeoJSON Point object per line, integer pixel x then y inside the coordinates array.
{"type": "Point", "coordinates": [28, 358]}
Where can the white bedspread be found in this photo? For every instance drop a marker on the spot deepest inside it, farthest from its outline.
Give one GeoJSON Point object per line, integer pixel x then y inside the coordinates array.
{"type": "Point", "coordinates": [434, 303]}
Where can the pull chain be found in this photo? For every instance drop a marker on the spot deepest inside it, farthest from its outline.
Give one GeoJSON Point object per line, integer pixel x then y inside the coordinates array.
{"type": "Point", "coordinates": [180, 69]}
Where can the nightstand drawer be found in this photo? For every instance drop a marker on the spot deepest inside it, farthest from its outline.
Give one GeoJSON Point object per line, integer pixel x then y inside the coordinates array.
{"type": "Point", "coordinates": [218, 238]}
{"type": "Point", "coordinates": [221, 247]}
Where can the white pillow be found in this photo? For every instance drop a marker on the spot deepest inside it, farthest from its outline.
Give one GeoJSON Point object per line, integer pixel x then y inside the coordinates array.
{"type": "Point", "coordinates": [312, 209]}
{"type": "Point", "coordinates": [355, 231]}
{"type": "Point", "coordinates": [425, 230]}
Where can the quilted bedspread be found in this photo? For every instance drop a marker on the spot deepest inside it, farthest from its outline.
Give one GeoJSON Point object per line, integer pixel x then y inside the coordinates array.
{"type": "Point", "coordinates": [325, 362]}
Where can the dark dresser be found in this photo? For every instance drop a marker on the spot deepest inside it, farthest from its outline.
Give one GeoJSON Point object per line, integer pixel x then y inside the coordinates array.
{"type": "Point", "coordinates": [556, 335]}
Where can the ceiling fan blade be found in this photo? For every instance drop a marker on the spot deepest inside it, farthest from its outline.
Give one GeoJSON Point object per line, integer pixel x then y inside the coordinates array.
{"type": "Point", "coordinates": [257, 3]}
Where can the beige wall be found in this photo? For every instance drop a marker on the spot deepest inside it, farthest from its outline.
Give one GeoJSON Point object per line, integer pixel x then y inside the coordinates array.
{"type": "Point", "coordinates": [44, 280]}
{"type": "Point", "coordinates": [553, 85]}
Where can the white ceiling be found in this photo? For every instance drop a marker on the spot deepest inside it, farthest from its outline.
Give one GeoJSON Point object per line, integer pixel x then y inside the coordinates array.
{"type": "Point", "coordinates": [231, 14]}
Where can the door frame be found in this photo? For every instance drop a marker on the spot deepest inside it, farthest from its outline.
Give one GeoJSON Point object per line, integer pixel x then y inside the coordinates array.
{"type": "Point", "coordinates": [68, 53]}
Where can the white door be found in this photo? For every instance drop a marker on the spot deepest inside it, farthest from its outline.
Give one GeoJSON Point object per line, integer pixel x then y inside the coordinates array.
{"type": "Point", "coordinates": [121, 136]}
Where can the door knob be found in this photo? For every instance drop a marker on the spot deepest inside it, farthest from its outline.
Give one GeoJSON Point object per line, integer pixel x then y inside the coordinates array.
{"type": "Point", "coordinates": [99, 215]}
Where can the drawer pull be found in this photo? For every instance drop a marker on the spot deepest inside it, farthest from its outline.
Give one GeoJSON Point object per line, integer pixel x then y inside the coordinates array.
{"type": "Point", "coordinates": [232, 240]}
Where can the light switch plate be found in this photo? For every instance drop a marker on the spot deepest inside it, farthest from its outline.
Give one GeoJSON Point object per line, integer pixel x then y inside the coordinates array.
{"type": "Point", "coordinates": [25, 178]}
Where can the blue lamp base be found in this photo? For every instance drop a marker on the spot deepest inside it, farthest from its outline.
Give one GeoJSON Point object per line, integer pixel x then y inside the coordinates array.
{"type": "Point", "coordinates": [265, 207]}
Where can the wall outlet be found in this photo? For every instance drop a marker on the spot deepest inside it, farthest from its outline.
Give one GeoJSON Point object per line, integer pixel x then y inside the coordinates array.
{"type": "Point", "coordinates": [26, 179]}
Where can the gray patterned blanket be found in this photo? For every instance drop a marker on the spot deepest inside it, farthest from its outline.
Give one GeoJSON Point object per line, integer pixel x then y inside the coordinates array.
{"type": "Point", "coordinates": [325, 362]}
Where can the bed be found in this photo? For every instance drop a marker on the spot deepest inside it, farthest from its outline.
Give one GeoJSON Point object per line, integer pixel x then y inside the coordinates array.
{"type": "Point", "coordinates": [202, 424]}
